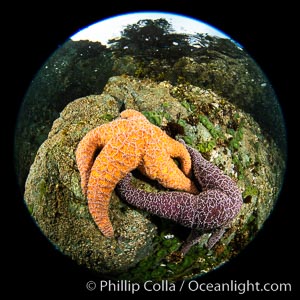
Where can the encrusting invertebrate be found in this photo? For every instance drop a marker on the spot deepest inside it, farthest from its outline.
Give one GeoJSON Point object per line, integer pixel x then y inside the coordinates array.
{"type": "Point", "coordinates": [127, 143]}
{"type": "Point", "coordinates": [212, 210]}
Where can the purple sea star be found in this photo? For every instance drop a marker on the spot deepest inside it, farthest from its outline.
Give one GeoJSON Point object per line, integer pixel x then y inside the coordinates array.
{"type": "Point", "coordinates": [212, 210]}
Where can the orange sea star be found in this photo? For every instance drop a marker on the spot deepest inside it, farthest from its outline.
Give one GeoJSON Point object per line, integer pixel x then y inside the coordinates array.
{"type": "Point", "coordinates": [127, 143]}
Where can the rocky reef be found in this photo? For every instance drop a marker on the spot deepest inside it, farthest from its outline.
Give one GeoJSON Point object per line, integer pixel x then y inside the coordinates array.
{"type": "Point", "coordinates": [145, 247]}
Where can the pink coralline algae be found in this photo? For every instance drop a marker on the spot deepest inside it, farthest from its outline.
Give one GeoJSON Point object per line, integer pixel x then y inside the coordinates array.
{"type": "Point", "coordinates": [212, 210]}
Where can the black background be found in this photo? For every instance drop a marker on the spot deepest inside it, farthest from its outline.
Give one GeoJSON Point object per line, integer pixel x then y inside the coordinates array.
{"type": "Point", "coordinates": [30, 264]}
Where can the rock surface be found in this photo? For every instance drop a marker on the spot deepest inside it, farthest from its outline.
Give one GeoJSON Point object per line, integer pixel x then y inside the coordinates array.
{"type": "Point", "coordinates": [143, 246]}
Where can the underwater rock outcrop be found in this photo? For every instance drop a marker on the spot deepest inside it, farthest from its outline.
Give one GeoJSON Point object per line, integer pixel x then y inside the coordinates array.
{"type": "Point", "coordinates": [144, 246]}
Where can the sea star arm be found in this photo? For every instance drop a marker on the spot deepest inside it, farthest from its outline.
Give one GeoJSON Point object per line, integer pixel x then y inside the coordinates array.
{"type": "Point", "coordinates": [159, 166]}
{"type": "Point", "coordinates": [131, 113]}
{"type": "Point", "coordinates": [211, 177]}
{"type": "Point", "coordinates": [197, 236]}
{"type": "Point", "coordinates": [194, 238]}
{"type": "Point", "coordinates": [116, 159]}
{"type": "Point", "coordinates": [206, 211]}
{"type": "Point", "coordinates": [178, 151]}
{"type": "Point", "coordinates": [215, 237]}
{"type": "Point", "coordinates": [161, 204]}
{"type": "Point", "coordinates": [210, 211]}
{"type": "Point", "coordinates": [87, 149]}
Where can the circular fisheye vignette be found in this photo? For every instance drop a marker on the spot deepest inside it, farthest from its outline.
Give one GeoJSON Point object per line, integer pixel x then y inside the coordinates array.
{"type": "Point", "coordinates": [190, 106]}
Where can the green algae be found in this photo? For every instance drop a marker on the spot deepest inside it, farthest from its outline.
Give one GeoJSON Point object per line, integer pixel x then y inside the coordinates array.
{"type": "Point", "coordinates": [237, 136]}
{"type": "Point", "coordinates": [188, 140]}
{"type": "Point", "coordinates": [157, 117]}
{"type": "Point", "coordinates": [189, 106]}
{"type": "Point", "coordinates": [250, 190]}
{"type": "Point", "coordinates": [107, 117]}
{"type": "Point", "coordinates": [206, 146]}
{"type": "Point", "coordinates": [154, 117]}
{"type": "Point", "coordinates": [213, 130]}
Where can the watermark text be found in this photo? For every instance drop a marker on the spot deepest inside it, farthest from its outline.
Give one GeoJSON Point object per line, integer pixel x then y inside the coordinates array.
{"type": "Point", "coordinates": [192, 286]}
